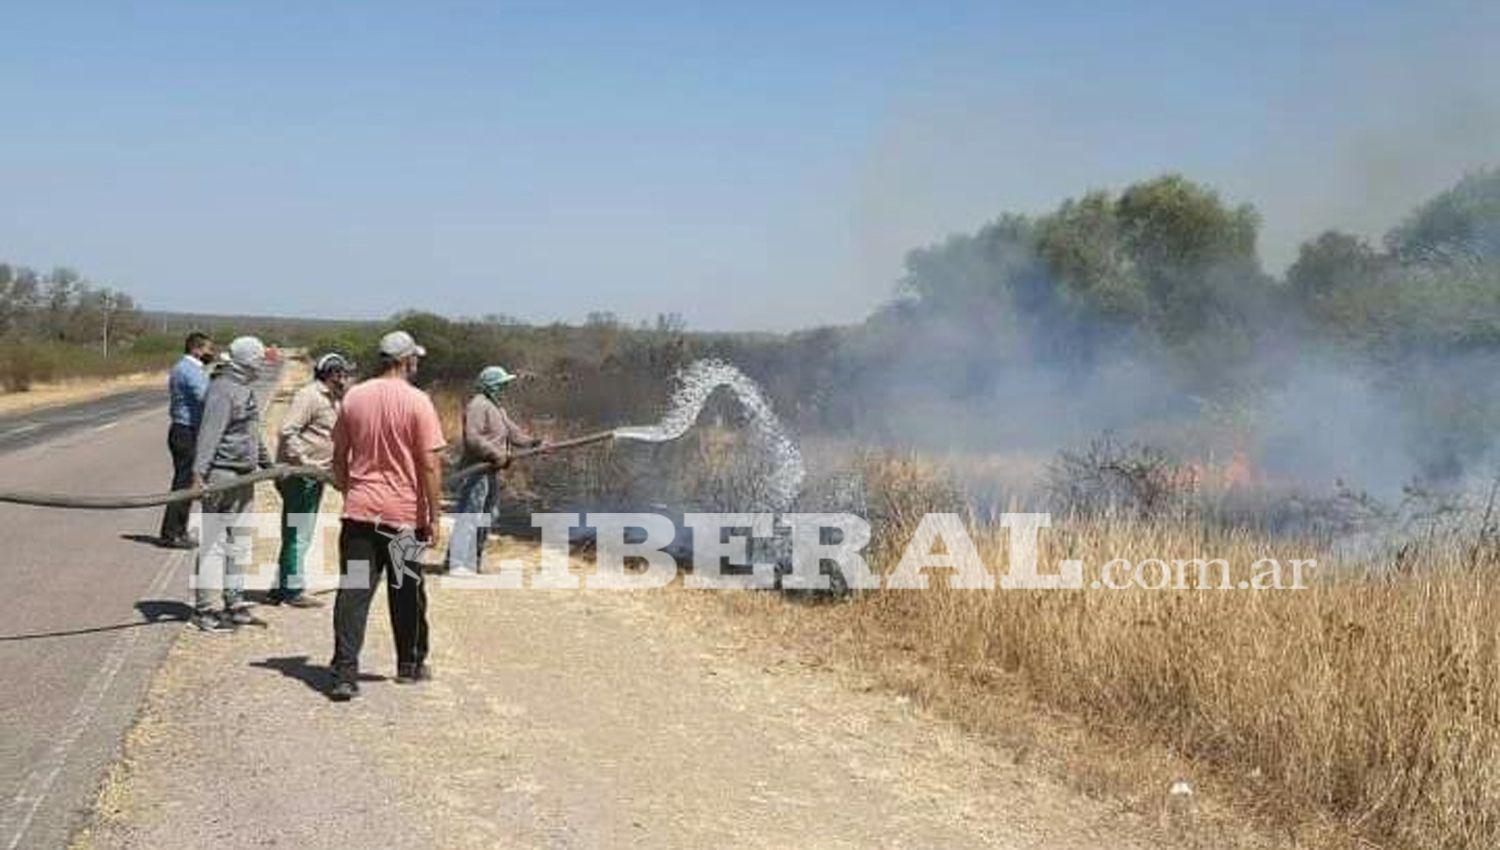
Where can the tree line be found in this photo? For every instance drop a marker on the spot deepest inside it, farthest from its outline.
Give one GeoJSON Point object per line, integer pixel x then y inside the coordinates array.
{"type": "Point", "coordinates": [58, 324]}
{"type": "Point", "coordinates": [62, 306]}
{"type": "Point", "coordinates": [1168, 264]}
{"type": "Point", "coordinates": [1025, 313]}
{"type": "Point", "coordinates": [1166, 275]}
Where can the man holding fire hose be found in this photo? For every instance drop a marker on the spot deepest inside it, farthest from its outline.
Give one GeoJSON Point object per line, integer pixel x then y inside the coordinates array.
{"type": "Point", "coordinates": [306, 439]}
{"type": "Point", "coordinates": [229, 446]}
{"type": "Point", "coordinates": [489, 436]}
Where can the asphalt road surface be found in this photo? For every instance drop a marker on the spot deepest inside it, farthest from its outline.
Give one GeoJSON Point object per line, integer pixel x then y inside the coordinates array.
{"type": "Point", "coordinates": [88, 607]}
{"type": "Point", "coordinates": [29, 428]}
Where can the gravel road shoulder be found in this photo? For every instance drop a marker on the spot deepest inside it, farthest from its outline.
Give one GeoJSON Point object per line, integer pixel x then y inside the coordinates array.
{"type": "Point", "coordinates": [559, 719]}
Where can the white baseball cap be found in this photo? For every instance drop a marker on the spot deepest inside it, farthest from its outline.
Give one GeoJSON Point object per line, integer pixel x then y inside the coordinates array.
{"type": "Point", "coordinates": [399, 345]}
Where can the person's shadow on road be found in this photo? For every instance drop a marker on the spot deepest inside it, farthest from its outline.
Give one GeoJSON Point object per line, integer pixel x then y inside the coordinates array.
{"type": "Point", "coordinates": [317, 677]}
{"type": "Point", "coordinates": [152, 611]}
{"type": "Point", "coordinates": [159, 610]}
{"type": "Point", "coordinates": [150, 540]}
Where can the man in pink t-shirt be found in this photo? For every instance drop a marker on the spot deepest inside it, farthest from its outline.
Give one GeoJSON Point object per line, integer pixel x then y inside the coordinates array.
{"type": "Point", "coordinates": [387, 461]}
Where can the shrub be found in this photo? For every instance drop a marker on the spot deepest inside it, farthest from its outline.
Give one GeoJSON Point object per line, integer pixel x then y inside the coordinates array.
{"type": "Point", "coordinates": [1112, 478]}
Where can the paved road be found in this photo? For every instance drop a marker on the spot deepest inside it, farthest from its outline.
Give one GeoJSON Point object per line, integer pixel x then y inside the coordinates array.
{"type": "Point", "coordinates": [87, 612]}
{"type": "Point", "coordinates": [29, 428]}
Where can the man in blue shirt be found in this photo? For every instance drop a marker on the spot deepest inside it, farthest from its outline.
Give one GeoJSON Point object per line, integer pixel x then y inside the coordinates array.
{"type": "Point", "coordinates": [186, 388]}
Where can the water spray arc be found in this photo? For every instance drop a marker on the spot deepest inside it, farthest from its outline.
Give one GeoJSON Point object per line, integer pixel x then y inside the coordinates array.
{"type": "Point", "coordinates": [696, 383]}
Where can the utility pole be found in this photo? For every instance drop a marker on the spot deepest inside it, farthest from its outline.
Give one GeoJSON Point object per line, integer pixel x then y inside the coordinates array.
{"type": "Point", "coordinates": [108, 306]}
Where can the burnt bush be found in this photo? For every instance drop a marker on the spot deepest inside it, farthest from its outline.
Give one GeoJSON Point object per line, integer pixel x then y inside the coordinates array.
{"type": "Point", "coordinates": [1109, 477]}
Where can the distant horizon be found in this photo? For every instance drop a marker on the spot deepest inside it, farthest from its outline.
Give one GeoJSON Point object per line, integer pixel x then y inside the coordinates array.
{"type": "Point", "coordinates": [150, 312]}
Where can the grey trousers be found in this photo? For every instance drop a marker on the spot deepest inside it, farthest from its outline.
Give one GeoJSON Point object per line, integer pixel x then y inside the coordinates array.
{"type": "Point", "coordinates": [223, 555]}
{"type": "Point", "coordinates": [474, 514]}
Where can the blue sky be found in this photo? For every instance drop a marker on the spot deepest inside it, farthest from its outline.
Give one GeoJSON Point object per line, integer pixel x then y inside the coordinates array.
{"type": "Point", "coordinates": [761, 166]}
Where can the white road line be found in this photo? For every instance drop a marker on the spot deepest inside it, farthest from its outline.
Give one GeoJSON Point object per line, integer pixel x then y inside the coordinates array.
{"type": "Point", "coordinates": [108, 425]}
{"type": "Point", "coordinates": [72, 436]}
{"type": "Point", "coordinates": [23, 808]}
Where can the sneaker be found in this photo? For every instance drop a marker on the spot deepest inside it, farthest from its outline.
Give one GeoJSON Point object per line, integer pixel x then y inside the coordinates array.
{"type": "Point", "coordinates": [407, 674]}
{"type": "Point", "coordinates": [241, 616]}
{"type": "Point", "coordinates": [212, 622]}
{"type": "Point", "coordinates": [302, 600]}
{"type": "Point", "coordinates": [177, 543]}
{"type": "Point", "coordinates": [462, 572]}
{"type": "Point", "coordinates": [343, 691]}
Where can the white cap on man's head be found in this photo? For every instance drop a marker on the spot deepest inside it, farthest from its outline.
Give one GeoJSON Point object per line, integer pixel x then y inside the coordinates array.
{"type": "Point", "coordinates": [398, 345]}
{"type": "Point", "coordinates": [247, 351]}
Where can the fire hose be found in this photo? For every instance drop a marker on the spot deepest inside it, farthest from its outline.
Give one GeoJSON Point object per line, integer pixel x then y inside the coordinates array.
{"type": "Point", "coordinates": [112, 503]}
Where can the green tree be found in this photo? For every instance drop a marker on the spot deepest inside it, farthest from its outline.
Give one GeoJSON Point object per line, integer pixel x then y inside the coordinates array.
{"type": "Point", "coordinates": [1081, 247]}
{"type": "Point", "coordinates": [979, 273]}
{"type": "Point", "coordinates": [1196, 255]}
{"type": "Point", "coordinates": [1461, 223]}
{"type": "Point", "coordinates": [1332, 263]}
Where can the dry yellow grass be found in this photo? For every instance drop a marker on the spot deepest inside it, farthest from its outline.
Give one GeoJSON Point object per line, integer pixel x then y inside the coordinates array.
{"type": "Point", "coordinates": [1374, 700]}
{"type": "Point", "coordinates": [1363, 708]}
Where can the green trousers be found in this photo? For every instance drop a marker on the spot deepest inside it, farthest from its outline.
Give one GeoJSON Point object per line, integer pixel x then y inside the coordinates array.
{"type": "Point", "coordinates": [300, 498]}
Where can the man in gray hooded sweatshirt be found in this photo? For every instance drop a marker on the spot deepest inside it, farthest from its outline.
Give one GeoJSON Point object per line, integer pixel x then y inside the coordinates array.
{"type": "Point", "coordinates": [230, 444]}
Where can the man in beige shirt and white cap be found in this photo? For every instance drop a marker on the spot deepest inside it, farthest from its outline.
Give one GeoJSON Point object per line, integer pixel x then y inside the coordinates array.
{"type": "Point", "coordinates": [306, 439]}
